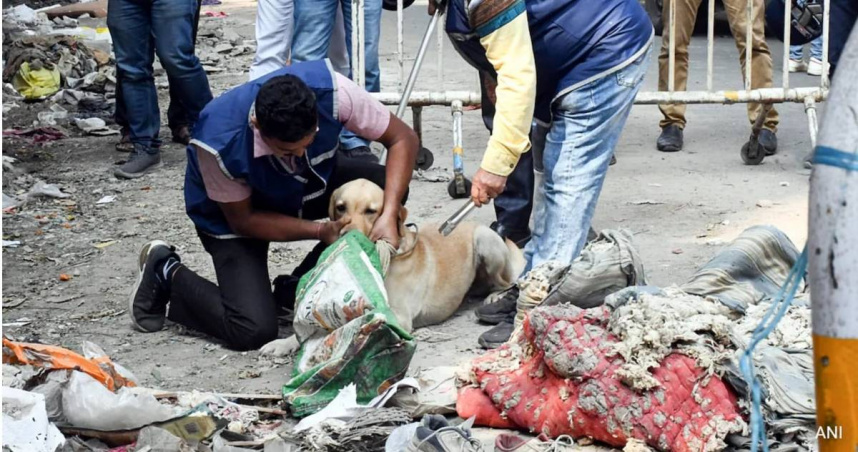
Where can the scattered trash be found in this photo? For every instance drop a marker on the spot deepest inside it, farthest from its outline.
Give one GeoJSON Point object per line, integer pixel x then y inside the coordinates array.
{"type": "Point", "coordinates": [434, 174]}
{"type": "Point", "coordinates": [645, 202]}
{"type": "Point", "coordinates": [677, 251]}
{"type": "Point", "coordinates": [784, 184]}
{"type": "Point", "coordinates": [215, 14]}
{"type": "Point", "coordinates": [765, 203]}
{"type": "Point", "coordinates": [25, 423]}
{"type": "Point", "coordinates": [11, 243]}
{"type": "Point", "coordinates": [65, 277]}
{"type": "Point", "coordinates": [37, 82]}
{"type": "Point", "coordinates": [41, 189]}
{"type": "Point", "coordinates": [104, 245]}
{"type": "Point", "coordinates": [107, 199]}
{"type": "Point", "coordinates": [18, 323]}
{"type": "Point", "coordinates": [248, 374]}
{"type": "Point", "coordinates": [95, 126]}
{"type": "Point", "coordinates": [37, 134]}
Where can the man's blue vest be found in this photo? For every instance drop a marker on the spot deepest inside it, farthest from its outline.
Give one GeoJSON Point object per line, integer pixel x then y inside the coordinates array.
{"type": "Point", "coordinates": [224, 129]}
{"type": "Point", "coordinates": [574, 41]}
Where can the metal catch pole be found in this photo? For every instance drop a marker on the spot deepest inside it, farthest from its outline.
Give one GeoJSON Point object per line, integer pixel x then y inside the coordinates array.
{"type": "Point", "coordinates": [787, 25]}
{"type": "Point", "coordinates": [833, 261]}
{"type": "Point", "coordinates": [459, 186]}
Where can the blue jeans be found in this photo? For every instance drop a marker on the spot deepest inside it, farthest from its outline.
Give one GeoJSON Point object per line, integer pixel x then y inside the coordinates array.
{"type": "Point", "coordinates": [141, 28]}
{"type": "Point", "coordinates": [586, 125]}
{"type": "Point", "coordinates": [797, 52]}
{"type": "Point", "coordinates": [314, 23]}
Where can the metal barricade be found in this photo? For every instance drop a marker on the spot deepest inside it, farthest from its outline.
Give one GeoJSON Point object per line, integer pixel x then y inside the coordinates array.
{"type": "Point", "coordinates": [808, 96]}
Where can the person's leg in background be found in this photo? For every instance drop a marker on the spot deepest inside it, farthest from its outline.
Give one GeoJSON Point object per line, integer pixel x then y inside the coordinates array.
{"type": "Point", "coordinates": [587, 125]}
{"type": "Point", "coordinates": [124, 144]}
{"type": "Point", "coordinates": [796, 59]}
{"type": "Point", "coordinates": [352, 145]}
{"type": "Point", "coordinates": [177, 115]}
{"type": "Point", "coordinates": [673, 122]}
{"type": "Point", "coordinates": [761, 63]}
{"type": "Point", "coordinates": [128, 20]}
{"type": "Point", "coordinates": [814, 67]}
{"type": "Point", "coordinates": [314, 23]}
{"type": "Point", "coordinates": [844, 14]}
{"type": "Point", "coordinates": [337, 51]}
{"type": "Point", "coordinates": [274, 23]}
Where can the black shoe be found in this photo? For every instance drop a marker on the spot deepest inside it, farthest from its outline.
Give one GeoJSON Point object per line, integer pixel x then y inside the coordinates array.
{"type": "Point", "coordinates": [181, 135]}
{"type": "Point", "coordinates": [360, 153]}
{"type": "Point", "coordinates": [769, 141]}
{"type": "Point", "coordinates": [496, 336]}
{"type": "Point", "coordinates": [613, 160]}
{"type": "Point", "coordinates": [670, 139]}
{"type": "Point", "coordinates": [149, 296]}
{"type": "Point", "coordinates": [138, 164]}
{"type": "Point", "coordinates": [285, 291]}
{"type": "Point", "coordinates": [519, 237]}
{"type": "Point", "coordinates": [500, 309]}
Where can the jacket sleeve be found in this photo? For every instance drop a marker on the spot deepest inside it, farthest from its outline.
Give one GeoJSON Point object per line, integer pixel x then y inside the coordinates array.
{"type": "Point", "coordinates": [504, 33]}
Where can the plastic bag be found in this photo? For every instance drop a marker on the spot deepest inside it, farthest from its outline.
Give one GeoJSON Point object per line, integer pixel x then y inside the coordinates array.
{"type": "Point", "coordinates": [88, 404]}
{"type": "Point", "coordinates": [25, 423]}
{"type": "Point", "coordinates": [348, 333]}
{"type": "Point", "coordinates": [36, 83]}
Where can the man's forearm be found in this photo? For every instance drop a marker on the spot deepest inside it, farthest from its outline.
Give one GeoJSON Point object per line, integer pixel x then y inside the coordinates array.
{"type": "Point", "coordinates": [402, 145]}
{"type": "Point", "coordinates": [275, 227]}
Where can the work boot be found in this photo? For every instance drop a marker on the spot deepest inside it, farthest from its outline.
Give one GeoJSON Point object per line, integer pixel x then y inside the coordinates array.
{"type": "Point", "coordinates": [150, 293]}
{"type": "Point", "coordinates": [435, 434]}
{"type": "Point", "coordinates": [519, 237]}
{"type": "Point", "coordinates": [498, 335]}
{"type": "Point", "coordinates": [138, 164]}
{"type": "Point", "coordinates": [498, 307]}
{"type": "Point", "coordinates": [670, 139]}
{"type": "Point", "coordinates": [125, 144]}
{"type": "Point", "coordinates": [360, 153]}
{"type": "Point", "coordinates": [181, 135]}
{"type": "Point", "coordinates": [768, 140]}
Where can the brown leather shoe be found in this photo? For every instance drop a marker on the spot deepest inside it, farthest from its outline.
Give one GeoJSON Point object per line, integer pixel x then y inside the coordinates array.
{"type": "Point", "coordinates": [125, 144]}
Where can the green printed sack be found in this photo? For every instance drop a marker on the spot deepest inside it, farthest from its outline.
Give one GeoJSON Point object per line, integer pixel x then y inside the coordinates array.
{"type": "Point", "coordinates": [348, 333]}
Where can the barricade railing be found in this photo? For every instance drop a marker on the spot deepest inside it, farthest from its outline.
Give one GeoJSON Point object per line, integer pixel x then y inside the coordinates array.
{"type": "Point", "coordinates": [808, 96]}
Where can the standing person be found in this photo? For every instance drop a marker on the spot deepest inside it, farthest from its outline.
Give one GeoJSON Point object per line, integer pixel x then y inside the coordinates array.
{"type": "Point", "coordinates": [140, 29]}
{"type": "Point", "coordinates": [314, 24]}
{"type": "Point", "coordinates": [274, 28]}
{"type": "Point", "coordinates": [673, 124]}
{"type": "Point", "coordinates": [177, 115]}
{"type": "Point", "coordinates": [796, 58]}
{"type": "Point", "coordinates": [574, 67]}
{"type": "Point", "coordinates": [261, 168]}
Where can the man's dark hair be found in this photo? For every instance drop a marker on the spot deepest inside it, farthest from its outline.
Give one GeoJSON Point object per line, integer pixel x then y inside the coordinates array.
{"type": "Point", "coordinates": [286, 109]}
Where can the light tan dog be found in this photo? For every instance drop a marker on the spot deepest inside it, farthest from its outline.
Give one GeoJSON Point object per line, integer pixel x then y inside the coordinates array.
{"type": "Point", "coordinates": [430, 275]}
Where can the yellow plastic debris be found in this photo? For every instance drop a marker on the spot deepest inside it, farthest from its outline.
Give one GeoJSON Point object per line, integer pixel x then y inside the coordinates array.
{"type": "Point", "coordinates": [36, 83]}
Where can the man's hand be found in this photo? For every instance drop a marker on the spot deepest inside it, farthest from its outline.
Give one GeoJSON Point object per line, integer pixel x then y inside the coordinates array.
{"type": "Point", "coordinates": [386, 228]}
{"type": "Point", "coordinates": [329, 231]}
{"type": "Point", "coordinates": [486, 186]}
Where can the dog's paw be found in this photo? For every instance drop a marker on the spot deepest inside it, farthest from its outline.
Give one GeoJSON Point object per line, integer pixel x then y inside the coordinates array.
{"type": "Point", "coordinates": [280, 347]}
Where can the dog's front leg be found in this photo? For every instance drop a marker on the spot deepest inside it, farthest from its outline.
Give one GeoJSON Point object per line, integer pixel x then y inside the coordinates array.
{"type": "Point", "coordinates": [280, 347]}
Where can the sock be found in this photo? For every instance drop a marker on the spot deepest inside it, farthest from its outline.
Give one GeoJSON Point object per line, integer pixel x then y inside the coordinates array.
{"type": "Point", "coordinates": [167, 269]}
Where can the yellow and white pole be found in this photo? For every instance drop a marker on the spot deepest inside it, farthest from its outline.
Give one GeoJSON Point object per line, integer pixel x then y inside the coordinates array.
{"type": "Point", "coordinates": [833, 260]}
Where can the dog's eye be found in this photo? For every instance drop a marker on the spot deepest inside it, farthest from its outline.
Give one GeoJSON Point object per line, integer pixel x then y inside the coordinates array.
{"type": "Point", "coordinates": [371, 211]}
{"type": "Point", "coordinates": [341, 208]}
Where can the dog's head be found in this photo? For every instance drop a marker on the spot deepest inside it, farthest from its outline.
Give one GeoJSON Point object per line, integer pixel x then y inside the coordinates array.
{"type": "Point", "coordinates": [359, 203]}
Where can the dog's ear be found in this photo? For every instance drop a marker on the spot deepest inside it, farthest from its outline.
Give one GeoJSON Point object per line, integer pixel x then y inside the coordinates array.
{"type": "Point", "coordinates": [403, 214]}
{"type": "Point", "coordinates": [332, 205]}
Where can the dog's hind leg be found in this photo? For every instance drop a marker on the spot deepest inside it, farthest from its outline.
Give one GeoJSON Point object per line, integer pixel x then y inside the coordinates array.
{"type": "Point", "coordinates": [500, 260]}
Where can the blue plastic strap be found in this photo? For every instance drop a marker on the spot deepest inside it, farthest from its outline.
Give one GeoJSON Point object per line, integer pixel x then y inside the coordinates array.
{"type": "Point", "coordinates": [824, 155]}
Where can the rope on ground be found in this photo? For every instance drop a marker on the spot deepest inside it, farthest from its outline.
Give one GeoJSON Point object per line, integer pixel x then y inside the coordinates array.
{"type": "Point", "coordinates": [779, 307]}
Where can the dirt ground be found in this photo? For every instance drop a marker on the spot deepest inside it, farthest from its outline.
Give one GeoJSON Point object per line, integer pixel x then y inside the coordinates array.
{"type": "Point", "coordinates": [681, 207]}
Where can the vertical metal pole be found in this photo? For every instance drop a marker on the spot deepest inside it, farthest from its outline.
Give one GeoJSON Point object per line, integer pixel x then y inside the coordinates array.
{"type": "Point", "coordinates": [440, 61]}
{"type": "Point", "coordinates": [826, 5]}
{"type": "Point", "coordinates": [787, 26]}
{"type": "Point", "coordinates": [749, 52]}
{"type": "Point", "coordinates": [671, 56]}
{"type": "Point", "coordinates": [400, 50]}
{"type": "Point", "coordinates": [812, 127]}
{"type": "Point", "coordinates": [710, 47]}
{"type": "Point", "coordinates": [361, 44]}
{"type": "Point", "coordinates": [356, 75]}
{"type": "Point", "coordinates": [458, 151]}
{"type": "Point", "coordinates": [833, 263]}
